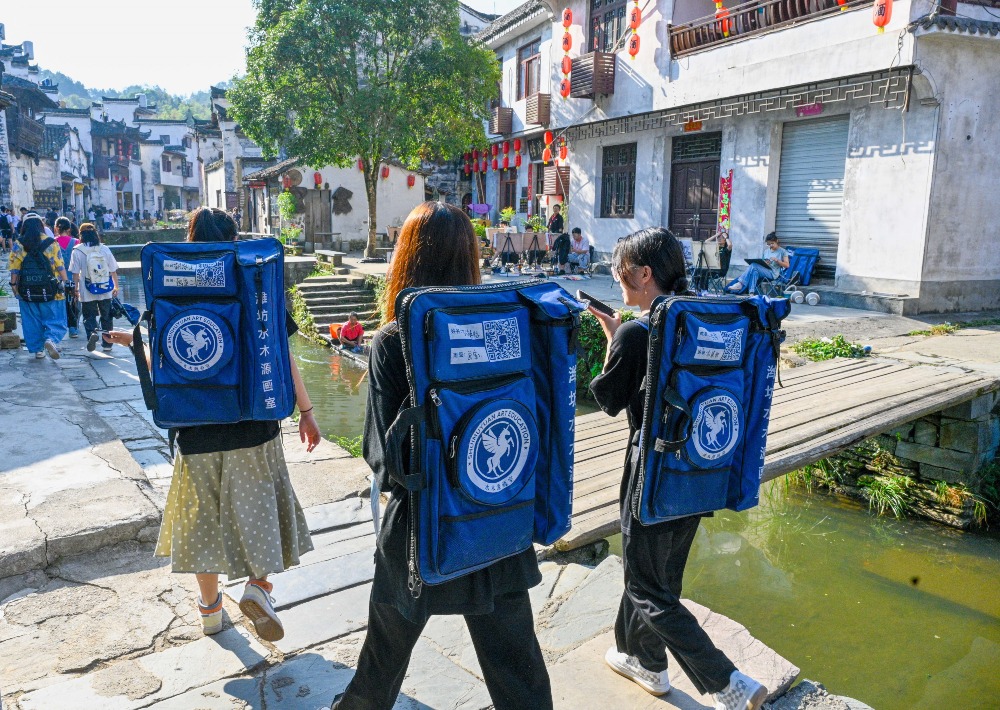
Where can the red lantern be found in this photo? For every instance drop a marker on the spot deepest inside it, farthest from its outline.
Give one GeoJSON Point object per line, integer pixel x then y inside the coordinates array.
{"type": "Point", "coordinates": [843, 5]}
{"type": "Point", "coordinates": [475, 155]}
{"type": "Point", "coordinates": [494, 150]}
{"type": "Point", "coordinates": [548, 137]}
{"type": "Point", "coordinates": [318, 178]}
{"type": "Point", "coordinates": [506, 146]}
{"type": "Point", "coordinates": [882, 14]}
{"type": "Point", "coordinates": [361, 165]}
{"type": "Point", "coordinates": [635, 18]}
{"type": "Point", "coordinates": [484, 167]}
{"type": "Point", "coordinates": [517, 160]}
{"type": "Point", "coordinates": [564, 88]}
{"type": "Point", "coordinates": [567, 65]}
{"type": "Point", "coordinates": [633, 45]}
{"type": "Point", "coordinates": [495, 165]}
{"type": "Point", "coordinates": [547, 155]}
{"type": "Point", "coordinates": [286, 182]}
{"type": "Point", "coordinates": [724, 24]}
{"type": "Point", "coordinates": [567, 42]}
{"type": "Point", "coordinates": [475, 167]}
{"type": "Point", "coordinates": [563, 151]}
{"type": "Point", "coordinates": [567, 18]}
{"type": "Point", "coordinates": [506, 162]}
{"type": "Point", "coordinates": [468, 169]}
{"type": "Point", "coordinates": [385, 172]}
{"type": "Point", "coordinates": [517, 145]}
{"type": "Point", "coordinates": [411, 180]}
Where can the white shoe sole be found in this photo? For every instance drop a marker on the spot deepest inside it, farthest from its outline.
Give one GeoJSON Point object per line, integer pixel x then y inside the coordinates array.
{"type": "Point", "coordinates": [624, 673]}
{"type": "Point", "coordinates": [52, 350]}
{"type": "Point", "coordinates": [268, 627]}
{"type": "Point", "coordinates": [757, 699]}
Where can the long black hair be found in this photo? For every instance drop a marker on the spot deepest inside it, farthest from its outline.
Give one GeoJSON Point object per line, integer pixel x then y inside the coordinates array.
{"type": "Point", "coordinates": [657, 248]}
{"type": "Point", "coordinates": [32, 232]}
{"type": "Point", "coordinates": [210, 224]}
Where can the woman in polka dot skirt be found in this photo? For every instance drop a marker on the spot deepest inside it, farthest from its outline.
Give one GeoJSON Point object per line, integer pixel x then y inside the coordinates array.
{"type": "Point", "coordinates": [231, 509]}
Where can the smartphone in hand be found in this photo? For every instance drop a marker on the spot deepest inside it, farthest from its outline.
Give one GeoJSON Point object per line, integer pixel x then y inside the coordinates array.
{"type": "Point", "coordinates": [595, 303]}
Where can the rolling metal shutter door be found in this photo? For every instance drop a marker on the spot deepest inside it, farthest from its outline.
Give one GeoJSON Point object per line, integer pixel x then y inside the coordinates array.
{"type": "Point", "coordinates": [811, 187]}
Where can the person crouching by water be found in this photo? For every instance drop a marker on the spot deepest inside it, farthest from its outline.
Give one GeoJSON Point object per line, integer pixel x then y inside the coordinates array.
{"type": "Point", "coordinates": [437, 247]}
{"type": "Point", "coordinates": [231, 509]}
{"type": "Point", "coordinates": [651, 619]}
{"type": "Point", "coordinates": [352, 333]}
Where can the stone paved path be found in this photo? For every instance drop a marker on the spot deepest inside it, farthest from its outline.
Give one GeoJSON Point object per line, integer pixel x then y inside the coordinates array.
{"type": "Point", "coordinates": [115, 631]}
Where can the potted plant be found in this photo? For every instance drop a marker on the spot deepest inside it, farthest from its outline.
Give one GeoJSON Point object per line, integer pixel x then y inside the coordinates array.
{"type": "Point", "coordinates": [507, 215]}
{"type": "Point", "coordinates": [534, 223]}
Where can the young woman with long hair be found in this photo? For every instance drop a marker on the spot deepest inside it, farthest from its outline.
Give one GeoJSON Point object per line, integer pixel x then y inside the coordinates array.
{"type": "Point", "coordinates": [436, 247]}
{"type": "Point", "coordinates": [231, 508]}
{"type": "Point", "coordinates": [649, 264]}
{"type": "Point", "coordinates": [43, 323]}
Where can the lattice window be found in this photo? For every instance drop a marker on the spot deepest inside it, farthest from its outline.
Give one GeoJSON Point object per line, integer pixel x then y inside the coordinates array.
{"type": "Point", "coordinates": [618, 181]}
{"type": "Point", "coordinates": [607, 24]}
{"type": "Point", "coordinates": [700, 147]}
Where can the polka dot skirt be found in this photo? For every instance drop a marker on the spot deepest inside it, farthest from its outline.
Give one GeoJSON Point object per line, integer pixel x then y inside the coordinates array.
{"type": "Point", "coordinates": [233, 513]}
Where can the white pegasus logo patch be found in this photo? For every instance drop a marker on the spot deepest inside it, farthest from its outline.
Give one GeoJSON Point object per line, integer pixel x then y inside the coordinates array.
{"type": "Point", "coordinates": [498, 445]}
{"type": "Point", "coordinates": [196, 342]}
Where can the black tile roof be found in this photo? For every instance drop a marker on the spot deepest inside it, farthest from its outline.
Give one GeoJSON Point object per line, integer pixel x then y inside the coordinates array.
{"type": "Point", "coordinates": [63, 111]}
{"type": "Point", "coordinates": [55, 138]}
{"type": "Point", "coordinates": [273, 170]}
{"type": "Point", "coordinates": [485, 17]}
{"type": "Point", "coordinates": [512, 19]}
{"type": "Point", "coordinates": [958, 24]}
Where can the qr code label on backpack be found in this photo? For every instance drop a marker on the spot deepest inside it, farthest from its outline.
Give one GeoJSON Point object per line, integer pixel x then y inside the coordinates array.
{"type": "Point", "coordinates": [503, 339]}
{"type": "Point", "coordinates": [211, 275]}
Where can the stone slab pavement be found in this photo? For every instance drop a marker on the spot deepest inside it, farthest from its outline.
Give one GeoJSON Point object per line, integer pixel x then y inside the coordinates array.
{"type": "Point", "coordinates": [114, 629]}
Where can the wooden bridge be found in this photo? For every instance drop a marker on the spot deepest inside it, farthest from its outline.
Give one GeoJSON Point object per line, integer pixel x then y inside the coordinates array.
{"type": "Point", "coordinates": [822, 409]}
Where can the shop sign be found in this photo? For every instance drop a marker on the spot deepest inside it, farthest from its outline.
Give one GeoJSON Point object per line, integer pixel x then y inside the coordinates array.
{"type": "Point", "coordinates": [48, 198]}
{"type": "Point", "coordinates": [692, 126]}
{"type": "Point", "coordinates": [809, 110]}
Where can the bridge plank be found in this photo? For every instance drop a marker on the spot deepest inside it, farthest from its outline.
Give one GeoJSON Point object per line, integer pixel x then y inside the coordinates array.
{"type": "Point", "coordinates": [822, 410]}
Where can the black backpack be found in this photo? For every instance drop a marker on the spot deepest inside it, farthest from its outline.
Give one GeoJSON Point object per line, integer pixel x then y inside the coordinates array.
{"type": "Point", "coordinates": [36, 282]}
{"type": "Point", "coordinates": [6, 229]}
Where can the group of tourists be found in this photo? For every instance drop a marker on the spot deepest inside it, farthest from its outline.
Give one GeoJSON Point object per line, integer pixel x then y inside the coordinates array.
{"type": "Point", "coordinates": [59, 272]}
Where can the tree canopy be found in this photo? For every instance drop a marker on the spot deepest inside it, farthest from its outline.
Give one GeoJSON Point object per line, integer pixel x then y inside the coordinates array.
{"type": "Point", "coordinates": [329, 81]}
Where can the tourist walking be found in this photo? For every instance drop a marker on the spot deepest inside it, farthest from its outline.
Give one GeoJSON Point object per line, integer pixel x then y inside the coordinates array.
{"type": "Point", "coordinates": [436, 247]}
{"type": "Point", "coordinates": [651, 618]}
{"type": "Point", "coordinates": [6, 229]}
{"type": "Point", "coordinates": [96, 277]}
{"type": "Point", "coordinates": [231, 508]}
{"type": "Point", "coordinates": [67, 241]}
{"type": "Point", "coordinates": [38, 279]}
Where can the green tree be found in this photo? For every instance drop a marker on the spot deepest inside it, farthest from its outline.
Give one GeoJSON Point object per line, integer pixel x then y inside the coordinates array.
{"type": "Point", "coordinates": [332, 81]}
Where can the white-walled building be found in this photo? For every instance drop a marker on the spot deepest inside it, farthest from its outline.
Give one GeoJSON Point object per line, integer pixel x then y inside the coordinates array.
{"type": "Point", "coordinates": [874, 148]}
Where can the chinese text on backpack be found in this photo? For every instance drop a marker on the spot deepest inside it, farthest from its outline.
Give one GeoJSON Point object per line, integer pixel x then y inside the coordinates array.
{"type": "Point", "coordinates": [96, 278]}
{"type": "Point", "coordinates": [711, 372]}
{"type": "Point", "coordinates": [217, 337]}
{"type": "Point", "coordinates": [492, 375]}
{"type": "Point", "coordinates": [36, 282]}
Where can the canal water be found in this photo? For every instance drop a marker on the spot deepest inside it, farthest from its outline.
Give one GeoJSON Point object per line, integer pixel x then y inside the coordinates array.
{"type": "Point", "coordinates": [899, 614]}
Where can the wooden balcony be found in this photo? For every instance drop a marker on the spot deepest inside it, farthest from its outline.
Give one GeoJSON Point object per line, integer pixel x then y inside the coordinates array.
{"type": "Point", "coordinates": [555, 180]}
{"type": "Point", "coordinates": [593, 73]}
{"type": "Point", "coordinates": [502, 121]}
{"type": "Point", "coordinates": [537, 109]}
{"type": "Point", "coordinates": [750, 18]}
{"type": "Point", "coordinates": [25, 134]}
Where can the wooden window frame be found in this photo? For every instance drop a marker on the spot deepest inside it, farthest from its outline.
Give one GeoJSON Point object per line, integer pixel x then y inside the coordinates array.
{"type": "Point", "coordinates": [618, 180]}
{"type": "Point", "coordinates": [508, 188]}
{"type": "Point", "coordinates": [605, 15]}
{"type": "Point", "coordinates": [528, 60]}
{"type": "Point", "coordinates": [165, 164]}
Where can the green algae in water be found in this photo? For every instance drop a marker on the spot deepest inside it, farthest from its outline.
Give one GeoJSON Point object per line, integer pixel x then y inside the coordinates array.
{"type": "Point", "coordinates": [898, 614]}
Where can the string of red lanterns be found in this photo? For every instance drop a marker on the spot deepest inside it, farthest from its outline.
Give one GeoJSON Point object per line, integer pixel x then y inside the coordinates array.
{"type": "Point", "coordinates": [567, 64]}
{"type": "Point", "coordinates": [547, 153]}
{"type": "Point", "coordinates": [724, 24]}
{"type": "Point", "coordinates": [635, 19]}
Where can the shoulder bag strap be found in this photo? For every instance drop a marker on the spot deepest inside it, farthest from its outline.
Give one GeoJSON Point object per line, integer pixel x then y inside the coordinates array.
{"type": "Point", "coordinates": [141, 366]}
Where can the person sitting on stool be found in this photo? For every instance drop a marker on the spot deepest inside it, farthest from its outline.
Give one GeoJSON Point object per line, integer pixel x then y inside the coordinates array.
{"type": "Point", "coordinates": [777, 258]}
{"type": "Point", "coordinates": [352, 334]}
{"type": "Point", "coordinates": [560, 251]}
{"type": "Point", "coordinates": [579, 251]}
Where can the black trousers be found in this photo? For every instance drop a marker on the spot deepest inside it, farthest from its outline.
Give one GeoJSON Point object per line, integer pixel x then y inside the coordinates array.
{"type": "Point", "coordinates": [72, 310]}
{"type": "Point", "coordinates": [651, 617]}
{"type": "Point", "coordinates": [92, 310]}
{"type": "Point", "coordinates": [505, 644]}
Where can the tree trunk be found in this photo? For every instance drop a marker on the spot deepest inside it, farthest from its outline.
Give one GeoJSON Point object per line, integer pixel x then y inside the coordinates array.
{"type": "Point", "coordinates": [371, 189]}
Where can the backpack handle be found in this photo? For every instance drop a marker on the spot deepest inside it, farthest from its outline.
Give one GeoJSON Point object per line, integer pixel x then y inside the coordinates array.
{"type": "Point", "coordinates": [398, 431]}
{"type": "Point", "coordinates": [141, 366]}
{"type": "Point", "coordinates": [673, 400]}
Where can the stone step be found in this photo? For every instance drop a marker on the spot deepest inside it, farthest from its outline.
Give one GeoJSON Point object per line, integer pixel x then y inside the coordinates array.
{"type": "Point", "coordinates": [320, 297]}
{"type": "Point", "coordinates": [364, 310]}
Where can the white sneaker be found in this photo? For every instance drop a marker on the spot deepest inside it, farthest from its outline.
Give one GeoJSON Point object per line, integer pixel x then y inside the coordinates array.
{"type": "Point", "coordinates": [211, 616]}
{"type": "Point", "coordinates": [52, 350]}
{"type": "Point", "coordinates": [652, 682]}
{"type": "Point", "coordinates": [742, 693]}
{"type": "Point", "coordinates": [39, 356]}
{"type": "Point", "coordinates": [258, 606]}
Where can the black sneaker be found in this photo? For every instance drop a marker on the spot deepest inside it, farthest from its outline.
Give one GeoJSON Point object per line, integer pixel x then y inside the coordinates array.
{"type": "Point", "coordinates": [92, 342]}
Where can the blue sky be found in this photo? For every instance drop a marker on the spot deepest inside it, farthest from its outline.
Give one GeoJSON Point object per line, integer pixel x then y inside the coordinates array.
{"type": "Point", "coordinates": [182, 45]}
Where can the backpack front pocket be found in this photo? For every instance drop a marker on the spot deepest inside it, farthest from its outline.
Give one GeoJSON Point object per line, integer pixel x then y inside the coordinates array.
{"type": "Point", "coordinates": [197, 365]}
{"type": "Point", "coordinates": [477, 341]}
{"type": "Point", "coordinates": [716, 425]}
{"type": "Point", "coordinates": [208, 274]}
{"type": "Point", "coordinates": [706, 339]}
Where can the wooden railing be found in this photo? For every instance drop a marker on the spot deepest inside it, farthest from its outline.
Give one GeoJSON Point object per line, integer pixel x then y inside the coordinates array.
{"type": "Point", "coordinates": [751, 18]}
{"type": "Point", "coordinates": [25, 134]}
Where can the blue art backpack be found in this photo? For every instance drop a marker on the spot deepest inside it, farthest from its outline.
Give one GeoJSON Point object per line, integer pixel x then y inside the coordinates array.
{"type": "Point", "coordinates": [217, 337]}
{"type": "Point", "coordinates": [492, 375]}
{"type": "Point", "coordinates": [708, 387]}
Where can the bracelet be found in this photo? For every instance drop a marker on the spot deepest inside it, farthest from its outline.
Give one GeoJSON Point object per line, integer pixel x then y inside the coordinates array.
{"type": "Point", "coordinates": [306, 411]}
